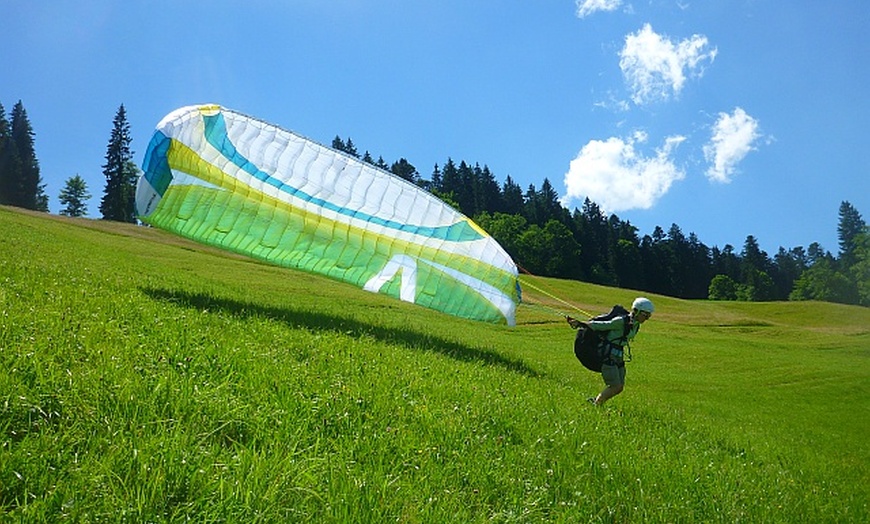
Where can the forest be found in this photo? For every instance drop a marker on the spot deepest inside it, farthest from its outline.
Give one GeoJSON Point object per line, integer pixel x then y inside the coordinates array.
{"type": "Point", "coordinates": [542, 236]}
{"type": "Point", "coordinates": [546, 239]}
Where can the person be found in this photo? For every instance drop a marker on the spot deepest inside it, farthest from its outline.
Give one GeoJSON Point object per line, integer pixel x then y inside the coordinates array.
{"type": "Point", "coordinates": [613, 367]}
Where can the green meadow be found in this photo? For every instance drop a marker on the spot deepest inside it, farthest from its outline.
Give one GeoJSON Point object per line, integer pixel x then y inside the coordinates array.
{"type": "Point", "coordinates": [144, 378]}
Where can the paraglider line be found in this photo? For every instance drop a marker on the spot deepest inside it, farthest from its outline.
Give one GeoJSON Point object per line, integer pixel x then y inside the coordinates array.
{"type": "Point", "coordinates": [526, 282]}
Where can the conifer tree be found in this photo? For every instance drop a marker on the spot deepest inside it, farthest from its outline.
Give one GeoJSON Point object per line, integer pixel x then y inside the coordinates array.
{"type": "Point", "coordinates": [488, 193]}
{"type": "Point", "coordinates": [8, 161]}
{"type": "Point", "coordinates": [851, 224]}
{"type": "Point", "coordinates": [451, 183]}
{"type": "Point", "coordinates": [435, 181]}
{"type": "Point", "coordinates": [25, 184]}
{"type": "Point", "coordinates": [404, 169]}
{"type": "Point", "coordinates": [350, 148]}
{"type": "Point", "coordinates": [512, 194]}
{"type": "Point", "coordinates": [74, 197]}
{"type": "Point", "coordinates": [118, 198]}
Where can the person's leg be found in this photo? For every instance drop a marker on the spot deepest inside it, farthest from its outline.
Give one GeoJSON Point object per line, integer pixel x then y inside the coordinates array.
{"type": "Point", "coordinates": [614, 377]}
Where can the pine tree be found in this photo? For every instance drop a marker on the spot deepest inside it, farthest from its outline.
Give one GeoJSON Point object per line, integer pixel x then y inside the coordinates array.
{"type": "Point", "coordinates": [861, 268]}
{"type": "Point", "coordinates": [8, 161]}
{"type": "Point", "coordinates": [547, 202]}
{"type": "Point", "coordinates": [118, 198]}
{"type": "Point", "coordinates": [27, 189]}
{"type": "Point", "coordinates": [755, 276]}
{"type": "Point", "coordinates": [435, 181]}
{"type": "Point", "coordinates": [350, 148]}
{"type": "Point", "coordinates": [451, 183]}
{"type": "Point", "coordinates": [851, 225]}
{"type": "Point", "coordinates": [346, 147]}
{"type": "Point", "coordinates": [489, 193]}
{"type": "Point", "coordinates": [512, 196]}
{"type": "Point", "coordinates": [74, 197]}
{"type": "Point", "coordinates": [404, 169]}
{"type": "Point", "coordinates": [464, 195]}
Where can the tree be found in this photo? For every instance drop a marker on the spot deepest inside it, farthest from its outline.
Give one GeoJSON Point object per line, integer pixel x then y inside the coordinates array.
{"type": "Point", "coordinates": [823, 282]}
{"type": "Point", "coordinates": [8, 161]}
{"type": "Point", "coordinates": [627, 264]}
{"type": "Point", "coordinates": [548, 251]}
{"type": "Point", "coordinates": [350, 148]}
{"type": "Point", "coordinates": [788, 267]}
{"type": "Point", "coordinates": [487, 192]}
{"type": "Point", "coordinates": [726, 262]}
{"type": "Point", "coordinates": [464, 194]}
{"type": "Point", "coordinates": [563, 251]}
{"type": "Point", "coordinates": [404, 169]}
{"type": "Point", "coordinates": [119, 196]}
{"type": "Point", "coordinates": [505, 228]}
{"type": "Point", "coordinates": [512, 197]}
{"type": "Point", "coordinates": [74, 196]}
{"type": "Point", "coordinates": [435, 180]}
{"type": "Point", "coordinates": [850, 226]}
{"type": "Point", "coordinates": [547, 203]}
{"type": "Point", "coordinates": [593, 233]}
{"type": "Point", "coordinates": [21, 182]}
{"type": "Point", "coordinates": [753, 256]}
{"type": "Point", "coordinates": [699, 265]}
{"type": "Point", "coordinates": [754, 274]}
{"type": "Point", "coordinates": [757, 286]}
{"type": "Point", "coordinates": [861, 268]}
{"type": "Point", "coordinates": [346, 147]}
{"type": "Point", "coordinates": [723, 287]}
{"type": "Point", "coordinates": [451, 183]}
{"type": "Point", "coordinates": [816, 252]}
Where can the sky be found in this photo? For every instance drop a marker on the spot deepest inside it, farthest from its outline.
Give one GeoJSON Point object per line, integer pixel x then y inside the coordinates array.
{"type": "Point", "coordinates": [728, 118]}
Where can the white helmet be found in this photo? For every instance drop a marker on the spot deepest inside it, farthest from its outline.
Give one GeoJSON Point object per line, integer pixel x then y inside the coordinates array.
{"type": "Point", "coordinates": [643, 304]}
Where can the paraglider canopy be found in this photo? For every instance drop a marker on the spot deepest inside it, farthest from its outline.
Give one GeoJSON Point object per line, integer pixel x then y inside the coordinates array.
{"type": "Point", "coordinates": [229, 180]}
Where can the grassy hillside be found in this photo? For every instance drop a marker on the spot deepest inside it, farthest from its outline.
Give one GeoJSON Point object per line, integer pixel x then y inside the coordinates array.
{"type": "Point", "coordinates": [146, 378]}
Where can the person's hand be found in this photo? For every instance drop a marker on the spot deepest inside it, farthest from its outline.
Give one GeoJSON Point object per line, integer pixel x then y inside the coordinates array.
{"type": "Point", "coordinates": [573, 322]}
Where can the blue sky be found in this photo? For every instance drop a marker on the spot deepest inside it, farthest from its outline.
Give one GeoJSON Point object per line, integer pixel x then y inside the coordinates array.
{"type": "Point", "coordinates": [728, 118]}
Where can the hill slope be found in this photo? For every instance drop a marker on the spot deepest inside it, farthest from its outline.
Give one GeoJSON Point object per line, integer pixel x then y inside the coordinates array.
{"type": "Point", "coordinates": [146, 378]}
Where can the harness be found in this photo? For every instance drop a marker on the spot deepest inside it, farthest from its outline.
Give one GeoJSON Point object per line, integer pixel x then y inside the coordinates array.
{"type": "Point", "coordinates": [621, 344]}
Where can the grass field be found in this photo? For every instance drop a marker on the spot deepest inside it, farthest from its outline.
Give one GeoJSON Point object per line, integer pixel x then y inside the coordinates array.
{"type": "Point", "coordinates": [144, 378]}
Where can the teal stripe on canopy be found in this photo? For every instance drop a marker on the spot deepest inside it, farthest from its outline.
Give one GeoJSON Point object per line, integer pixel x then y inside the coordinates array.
{"type": "Point", "coordinates": [216, 135]}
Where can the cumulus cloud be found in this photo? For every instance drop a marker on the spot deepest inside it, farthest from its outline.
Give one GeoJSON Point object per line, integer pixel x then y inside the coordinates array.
{"type": "Point", "coordinates": [656, 67]}
{"type": "Point", "coordinates": [733, 138]}
{"type": "Point", "coordinates": [618, 177]}
{"type": "Point", "coordinates": [587, 7]}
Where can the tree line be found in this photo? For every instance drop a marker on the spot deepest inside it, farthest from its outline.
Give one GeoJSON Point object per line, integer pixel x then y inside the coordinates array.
{"type": "Point", "coordinates": [542, 236]}
{"type": "Point", "coordinates": [21, 184]}
{"type": "Point", "coordinates": [586, 244]}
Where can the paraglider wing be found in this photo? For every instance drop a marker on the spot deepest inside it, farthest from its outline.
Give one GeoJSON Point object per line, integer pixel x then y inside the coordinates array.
{"type": "Point", "coordinates": [229, 180]}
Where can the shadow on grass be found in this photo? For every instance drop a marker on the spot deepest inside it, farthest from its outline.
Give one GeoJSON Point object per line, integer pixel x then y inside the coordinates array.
{"type": "Point", "coordinates": [349, 326]}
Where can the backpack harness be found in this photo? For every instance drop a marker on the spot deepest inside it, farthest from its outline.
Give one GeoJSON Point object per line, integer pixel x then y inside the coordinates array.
{"type": "Point", "coordinates": [593, 349]}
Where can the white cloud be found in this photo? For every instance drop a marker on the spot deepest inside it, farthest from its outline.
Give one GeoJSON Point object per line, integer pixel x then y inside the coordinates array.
{"type": "Point", "coordinates": [655, 67]}
{"type": "Point", "coordinates": [612, 103]}
{"type": "Point", "coordinates": [587, 7]}
{"type": "Point", "coordinates": [617, 177]}
{"type": "Point", "coordinates": [733, 138]}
